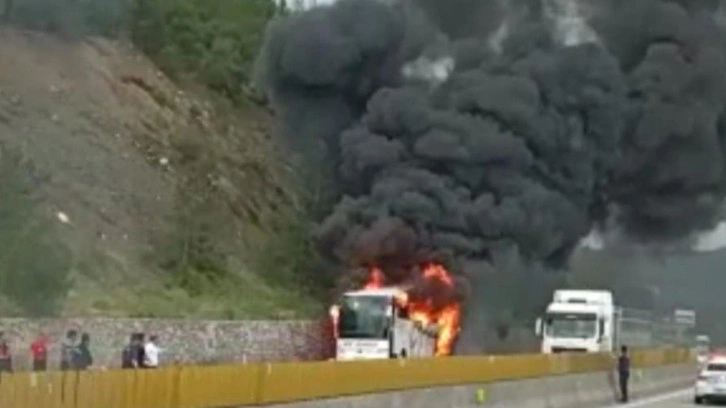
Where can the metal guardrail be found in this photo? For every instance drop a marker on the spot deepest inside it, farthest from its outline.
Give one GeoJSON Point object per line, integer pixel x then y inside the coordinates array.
{"type": "Point", "coordinates": [644, 329]}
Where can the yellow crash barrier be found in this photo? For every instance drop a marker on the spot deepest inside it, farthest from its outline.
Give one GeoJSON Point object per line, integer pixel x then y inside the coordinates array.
{"type": "Point", "coordinates": [253, 384]}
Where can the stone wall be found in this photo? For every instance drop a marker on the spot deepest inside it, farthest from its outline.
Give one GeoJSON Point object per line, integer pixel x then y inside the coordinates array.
{"type": "Point", "coordinates": [184, 341]}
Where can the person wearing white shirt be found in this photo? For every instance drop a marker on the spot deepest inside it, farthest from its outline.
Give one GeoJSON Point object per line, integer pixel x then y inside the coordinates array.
{"type": "Point", "coordinates": [151, 353]}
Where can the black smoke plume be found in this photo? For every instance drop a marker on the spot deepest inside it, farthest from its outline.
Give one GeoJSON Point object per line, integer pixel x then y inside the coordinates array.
{"type": "Point", "coordinates": [461, 130]}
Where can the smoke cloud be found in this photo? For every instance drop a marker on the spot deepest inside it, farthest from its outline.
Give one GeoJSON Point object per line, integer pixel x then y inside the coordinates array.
{"type": "Point", "coordinates": [458, 131]}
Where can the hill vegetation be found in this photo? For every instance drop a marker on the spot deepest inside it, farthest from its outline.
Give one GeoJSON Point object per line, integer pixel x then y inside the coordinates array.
{"type": "Point", "coordinates": [158, 185]}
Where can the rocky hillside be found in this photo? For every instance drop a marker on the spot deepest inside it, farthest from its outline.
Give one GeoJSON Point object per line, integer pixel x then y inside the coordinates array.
{"type": "Point", "coordinates": [165, 198]}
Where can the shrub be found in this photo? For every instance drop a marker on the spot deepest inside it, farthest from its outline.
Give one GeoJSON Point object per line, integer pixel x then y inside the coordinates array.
{"type": "Point", "coordinates": [215, 41]}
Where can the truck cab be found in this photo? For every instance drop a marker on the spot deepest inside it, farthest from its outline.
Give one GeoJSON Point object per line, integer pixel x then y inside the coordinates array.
{"type": "Point", "coordinates": [370, 324]}
{"type": "Point", "coordinates": [578, 321]}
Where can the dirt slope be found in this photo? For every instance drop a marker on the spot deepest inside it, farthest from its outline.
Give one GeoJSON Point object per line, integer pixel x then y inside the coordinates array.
{"type": "Point", "coordinates": [121, 145]}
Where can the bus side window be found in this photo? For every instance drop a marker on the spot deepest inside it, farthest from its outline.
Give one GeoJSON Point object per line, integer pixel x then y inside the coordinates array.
{"type": "Point", "coordinates": [402, 313]}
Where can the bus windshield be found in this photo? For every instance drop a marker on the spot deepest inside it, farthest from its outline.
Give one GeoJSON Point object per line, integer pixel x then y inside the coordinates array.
{"type": "Point", "coordinates": [364, 317]}
{"type": "Point", "coordinates": [571, 325]}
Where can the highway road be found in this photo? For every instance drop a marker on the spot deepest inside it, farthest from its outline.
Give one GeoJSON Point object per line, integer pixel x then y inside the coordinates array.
{"type": "Point", "coordinates": [677, 399]}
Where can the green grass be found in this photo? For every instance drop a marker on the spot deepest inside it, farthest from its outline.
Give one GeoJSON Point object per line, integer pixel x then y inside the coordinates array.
{"type": "Point", "coordinates": [247, 297]}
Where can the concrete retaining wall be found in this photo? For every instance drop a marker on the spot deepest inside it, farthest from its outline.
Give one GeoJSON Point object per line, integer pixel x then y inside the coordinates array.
{"type": "Point", "coordinates": [186, 341]}
{"type": "Point", "coordinates": [566, 391]}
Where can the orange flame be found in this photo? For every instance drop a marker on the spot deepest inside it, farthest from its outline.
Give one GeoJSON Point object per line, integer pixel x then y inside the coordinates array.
{"type": "Point", "coordinates": [423, 312]}
{"type": "Point", "coordinates": [375, 279]}
{"type": "Point", "coordinates": [447, 318]}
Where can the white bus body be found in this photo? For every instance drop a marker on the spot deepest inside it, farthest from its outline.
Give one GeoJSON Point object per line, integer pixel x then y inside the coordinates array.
{"type": "Point", "coordinates": [370, 325]}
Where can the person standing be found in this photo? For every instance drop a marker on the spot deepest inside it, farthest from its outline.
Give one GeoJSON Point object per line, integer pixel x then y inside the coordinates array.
{"type": "Point", "coordinates": [140, 350]}
{"type": "Point", "coordinates": [39, 352]}
{"type": "Point", "coordinates": [82, 354]}
{"type": "Point", "coordinates": [6, 358]}
{"type": "Point", "coordinates": [151, 353]}
{"type": "Point", "coordinates": [68, 349]}
{"type": "Point", "coordinates": [624, 373]}
{"type": "Point", "coordinates": [128, 355]}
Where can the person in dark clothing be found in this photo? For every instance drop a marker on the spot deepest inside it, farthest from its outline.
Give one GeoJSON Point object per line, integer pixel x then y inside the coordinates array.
{"type": "Point", "coordinates": [139, 352]}
{"type": "Point", "coordinates": [6, 358]}
{"type": "Point", "coordinates": [68, 349]}
{"type": "Point", "coordinates": [82, 358]}
{"type": "Point", "coordinates": [128, 359]}
{"type": "Point", "coordinates": [624, 373]}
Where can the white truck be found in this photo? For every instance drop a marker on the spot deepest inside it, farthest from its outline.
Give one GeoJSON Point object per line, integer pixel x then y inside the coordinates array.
{"type": "Point", "coordinates": [371, 325]}
{"type": "Point", "coordinates": [589, 321]}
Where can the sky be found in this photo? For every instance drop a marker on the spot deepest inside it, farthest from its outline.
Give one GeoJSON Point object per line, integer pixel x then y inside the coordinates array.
{"type": "Point", "coordinates": [713, 240]}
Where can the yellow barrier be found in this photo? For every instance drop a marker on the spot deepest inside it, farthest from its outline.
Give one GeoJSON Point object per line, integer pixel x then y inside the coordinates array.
{"type": "Point", "coordinates": [251, 384]}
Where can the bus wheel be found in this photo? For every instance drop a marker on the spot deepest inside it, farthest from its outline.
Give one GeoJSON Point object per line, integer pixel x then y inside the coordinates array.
{"type": "Point", "coordinates": [403, 354]}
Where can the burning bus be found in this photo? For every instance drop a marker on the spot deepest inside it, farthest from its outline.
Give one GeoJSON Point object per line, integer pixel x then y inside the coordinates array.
{"type": "Point", "coordinates": [380, 322]}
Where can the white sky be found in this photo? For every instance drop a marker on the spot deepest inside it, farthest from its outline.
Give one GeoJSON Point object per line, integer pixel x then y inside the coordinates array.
{"type": "Point", "coordinates": [713, 240]}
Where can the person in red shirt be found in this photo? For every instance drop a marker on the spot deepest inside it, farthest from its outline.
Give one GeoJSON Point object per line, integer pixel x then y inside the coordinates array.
{"type": "Point", "coordinates": [39, 351]}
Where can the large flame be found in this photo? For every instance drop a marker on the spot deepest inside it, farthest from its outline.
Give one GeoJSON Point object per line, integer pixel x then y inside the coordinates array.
{"type": "Point", "coordinates": [423, 312]}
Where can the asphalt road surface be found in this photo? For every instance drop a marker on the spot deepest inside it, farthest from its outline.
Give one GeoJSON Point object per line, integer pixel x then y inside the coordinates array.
{"type": "Point", "coordinates": [677, 399]}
